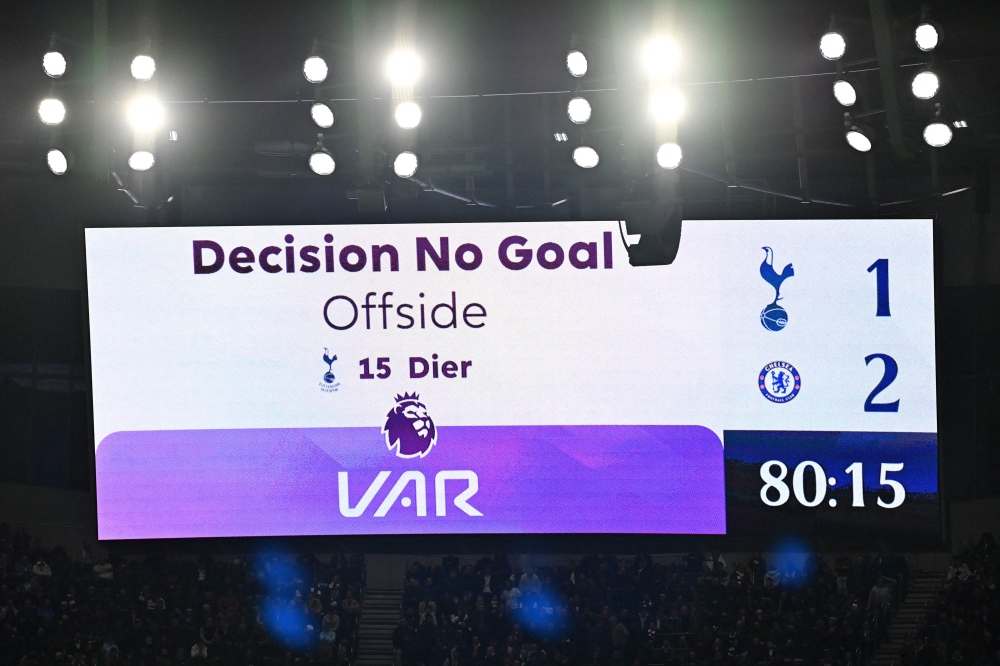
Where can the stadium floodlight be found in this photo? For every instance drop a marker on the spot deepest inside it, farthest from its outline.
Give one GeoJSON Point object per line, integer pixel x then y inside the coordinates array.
{"type": "Point", "coordinates": [51, 111]}
{"type": "Point", "coordinates": [927, 36]}
{"type": "Point", "coordinates": [576, 63]}
{"type": "Point", "coordinates": [314, 69]}
{"type": "Point", "coordinates": [660, 57]}
{"type": "Point", "coordinates": [666, 105]}
{"type": "Point", "coordinates": [321, 162]}
{"type": "Point", "coordinates": [586, 157]}
{"type": "Point", "coordinates": [321, 114]}
{"type": "Point", "coordinates": [403, 67]}
{"type": "Point", "coordinates": [578, 110]}
{"type": "Point", "coordinates": [844, 92]}
{"type": "Point", "coordinates": [145, 114]}
{"type": "Point", "coordinates": [143, 67]}
{"type": "Point", "coordinates": [54, 64]}
{"type": "Point", "coordinates": [832, 45]}
{"type": "Point", "coordinates": [960, 124]}
{"type": "Point", "coordinates": [937, 134]}
{"type": "Point", "coordinates": [408, 115]}
{"type": "Point", "coordinates": [669, 155]}
{"type": "Point", "coordinates": [561, 136]}
{"type": "Point", "coordinates": [860, 138]}
{"type": "Point", "coordinates": [405, 164]}
{"type": "Point", "coordinates": [141, 160]}
{"type": "Point", "coordinates": [58, 161]}
{"type": "Point", "coordinates": [925, 84]}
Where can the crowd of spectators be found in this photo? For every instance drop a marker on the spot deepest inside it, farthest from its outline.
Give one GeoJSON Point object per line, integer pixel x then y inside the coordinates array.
{"type": "Point", "coordinates": [962, 624]}
{"type": "Point", "coordinates": [164, 611]}
{"type": "Point", "coordinates": [608, 611]}
{"type": "Point", "coordinates": [601, 611]}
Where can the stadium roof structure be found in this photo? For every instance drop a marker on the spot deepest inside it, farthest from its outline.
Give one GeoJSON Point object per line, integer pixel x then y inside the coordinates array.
{"type": "Point", "coordinates": [762, 133]}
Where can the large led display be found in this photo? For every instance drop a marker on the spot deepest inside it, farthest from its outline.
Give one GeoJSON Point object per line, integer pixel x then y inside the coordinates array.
{"type": "Point", "coordinates": [513, 378]}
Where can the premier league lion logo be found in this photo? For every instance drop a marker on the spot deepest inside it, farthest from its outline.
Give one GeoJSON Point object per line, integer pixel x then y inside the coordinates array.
{"type": "Point", "coordinates": [408, 429]}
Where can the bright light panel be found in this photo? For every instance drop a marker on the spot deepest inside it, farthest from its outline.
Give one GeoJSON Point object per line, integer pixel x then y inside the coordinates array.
{"type": "Point", "coordinates": [926, 36]}
{"type": "Point", "coordinates": [669, 156]}
{"type": "Point", "coordinates": [403, 68]}
{"type": "Point", "coordinates": [51, 111]}
{"type": "Point", "coordinates": [586, 157]}
{"type": "Point", "coordinates": [405, 164]}
{"type": "Point", "coordinates": [145, 114]}
{"type": "Point", "coordinates": [666, 105]}
{"type": "Point", "coordinates": [576, 63]}
{"type": "Point", "coordinates": [925, 85]}
{"type": "Point", "coordinates": [54, 64]}
{"type": "Point", "coordinates": [321, 163]}
{"type": "Point", "coordinates": [858, 141]}
{"type": "Point", "coordinates": [143, 67]}
{"type": "Point", "coordinates": [832, 46]}
{"type": "Point", "coordinates": [315, 69]}
{"type": "Point", "coordinates": [321, 115]}
{"type": "Point", "coordinates": [408, 115]}
{"type": "Point", "coordinates": [578, 110]}
{"type": "Point", "coordinates": [937, 135]}
{"type": "Point", "coordinates": [845, 93]}
{"type": "Point", "coordinates": [56, 159]}
{"type": "Point", "coordinates": [660, 57]}
{"type": "Point", "coordinates": [141, 160]}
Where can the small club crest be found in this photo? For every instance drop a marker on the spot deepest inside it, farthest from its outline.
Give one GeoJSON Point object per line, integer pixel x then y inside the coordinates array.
{"type": "Point", "coordinates": [330, 382]}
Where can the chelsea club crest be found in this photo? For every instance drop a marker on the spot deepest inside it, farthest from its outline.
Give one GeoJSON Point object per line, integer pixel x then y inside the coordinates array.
{"type": "Point", "coordinates": [779, 381]}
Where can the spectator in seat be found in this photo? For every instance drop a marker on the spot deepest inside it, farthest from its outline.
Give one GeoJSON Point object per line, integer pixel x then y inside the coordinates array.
{"type": "Point", "coordinates": [881, 592]}
{"type": "Point", "coordinates": [41, 568]}
{"type": "Point", "coordinates": [530, 583]}
{"type": "Point", "coordinates": [104, 570]}
{"type": "Point", "coordinates": [511, 596]}
{"type": "Point", "coordinates": [199, 651]}
{"type": "Point", "coordinates": [427, 611]}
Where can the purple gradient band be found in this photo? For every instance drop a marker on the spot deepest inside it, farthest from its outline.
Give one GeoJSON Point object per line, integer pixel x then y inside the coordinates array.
{"type": "Point", "coordinates": [532, 479]}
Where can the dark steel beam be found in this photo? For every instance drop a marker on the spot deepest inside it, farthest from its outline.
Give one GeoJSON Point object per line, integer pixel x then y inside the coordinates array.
{"type": "Point", "coordinates": [885, 49]}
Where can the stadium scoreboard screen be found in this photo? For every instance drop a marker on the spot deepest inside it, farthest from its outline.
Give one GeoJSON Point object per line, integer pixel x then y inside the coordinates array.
{"type": "Point", "coordinates": [514, 378]}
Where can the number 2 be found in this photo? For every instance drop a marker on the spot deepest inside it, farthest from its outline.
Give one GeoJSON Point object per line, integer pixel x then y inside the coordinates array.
{"type": "Point", "coordinates": [881, 268]}
{"type": "Point", "coordinates": [888, 377]}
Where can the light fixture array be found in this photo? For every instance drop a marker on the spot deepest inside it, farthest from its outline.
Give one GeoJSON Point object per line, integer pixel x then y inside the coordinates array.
{"type": "Point", "coordinates": [924, 85]}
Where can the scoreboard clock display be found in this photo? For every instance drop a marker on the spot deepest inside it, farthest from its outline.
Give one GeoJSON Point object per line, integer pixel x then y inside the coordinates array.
{"type": "Point", "coordinates": [514, 378]}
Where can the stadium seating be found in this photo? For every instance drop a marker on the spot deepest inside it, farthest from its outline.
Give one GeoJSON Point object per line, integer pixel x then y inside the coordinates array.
{"type": "Point", "coordinates": [599, 611]}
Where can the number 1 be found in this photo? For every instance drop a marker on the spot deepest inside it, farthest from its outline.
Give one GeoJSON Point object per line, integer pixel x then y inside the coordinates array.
{"type": "Point", "coordinates": [857, 484]}
{"type": "Point", "coordinates": [881, 268]}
